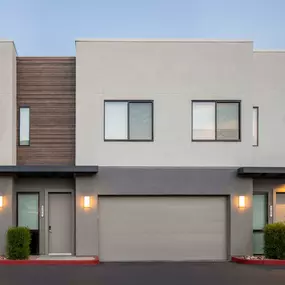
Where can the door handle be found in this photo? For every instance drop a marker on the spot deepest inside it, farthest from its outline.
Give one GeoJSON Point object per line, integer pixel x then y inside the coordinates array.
{"type": "Point", "coordinates": [49, 229]}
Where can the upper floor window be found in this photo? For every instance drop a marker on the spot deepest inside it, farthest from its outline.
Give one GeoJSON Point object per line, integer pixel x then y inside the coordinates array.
{"type": "Point", "coordinates": [128, 121]}
{"type": "Point", "coordinates": [24, 127]}
{"type": "Point", "coordinates": [216, 120]}
{"type": "Point", "coordinates": [255, 126]}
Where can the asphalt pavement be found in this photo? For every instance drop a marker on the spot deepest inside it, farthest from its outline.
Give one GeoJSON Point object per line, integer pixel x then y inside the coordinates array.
{"type": "Point", "coordinates": [166, 273]}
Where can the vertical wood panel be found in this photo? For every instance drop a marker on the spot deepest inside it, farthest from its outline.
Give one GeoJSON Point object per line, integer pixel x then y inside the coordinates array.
{"type": "Point", "coordinates": [47, 86]}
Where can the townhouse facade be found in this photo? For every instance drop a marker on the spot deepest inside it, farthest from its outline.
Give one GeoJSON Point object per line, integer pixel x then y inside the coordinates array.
{"type": "Point", "coordinates": [143, 150]}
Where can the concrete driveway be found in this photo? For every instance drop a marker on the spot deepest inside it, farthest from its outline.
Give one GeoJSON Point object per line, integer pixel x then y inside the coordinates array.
{"type": "Point", "coordinates": [143, 274]}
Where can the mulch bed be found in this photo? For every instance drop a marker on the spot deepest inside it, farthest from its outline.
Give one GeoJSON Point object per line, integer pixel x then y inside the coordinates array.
{"type": "Point", "coordinates": [257, 260]}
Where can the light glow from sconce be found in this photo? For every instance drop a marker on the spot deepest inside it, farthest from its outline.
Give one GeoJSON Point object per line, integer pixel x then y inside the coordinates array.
{"type": "Point", "coordinates": [87, 202]}
{"type": "Point", "coordinates": [1, 201]}
{"type": "Point", "coordinates": [241, 201]}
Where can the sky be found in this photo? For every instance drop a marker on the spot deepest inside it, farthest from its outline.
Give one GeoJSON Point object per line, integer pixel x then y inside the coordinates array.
{"type": "Point", "coordinates": [50, 27]}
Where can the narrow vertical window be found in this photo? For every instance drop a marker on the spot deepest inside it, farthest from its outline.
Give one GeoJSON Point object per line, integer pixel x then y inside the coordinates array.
{"type": "Point", "coordinates": [24, 136]}
{"type": "Point", "coordinates": [255, 126]}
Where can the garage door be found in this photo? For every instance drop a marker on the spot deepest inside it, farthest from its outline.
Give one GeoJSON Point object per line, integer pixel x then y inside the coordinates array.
{"type": "Point", "coordinates": [162, 228]}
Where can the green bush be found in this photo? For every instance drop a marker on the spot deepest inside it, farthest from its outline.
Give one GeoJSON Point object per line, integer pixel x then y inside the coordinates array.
{"type": "Point", "coordinates": [18, 243]}
{"type": "Point", "coordinates": [274, 241]}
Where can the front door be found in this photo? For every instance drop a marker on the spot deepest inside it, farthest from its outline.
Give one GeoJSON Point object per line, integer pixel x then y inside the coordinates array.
{"type": "Point", "coordinates": [60, 223]}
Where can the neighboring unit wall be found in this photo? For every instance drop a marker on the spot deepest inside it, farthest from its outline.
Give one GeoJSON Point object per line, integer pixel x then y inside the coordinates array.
{"type": "Point", "coordinates": [47, 86]}
{"type": "Point", "coordinates": [7, 103]}
{"type": "Point", "coordinates": [269, 96]}
{"type": "Point", "coordinates": [166, 181]}
{"type": "Point", "coordinates": [271, 187]}
{"type": "Point", "coordinates": [172, 73]}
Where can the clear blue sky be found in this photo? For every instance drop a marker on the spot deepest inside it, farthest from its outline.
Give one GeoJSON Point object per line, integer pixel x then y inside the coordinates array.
{"type": "Point", "coordinates": [49, 27]}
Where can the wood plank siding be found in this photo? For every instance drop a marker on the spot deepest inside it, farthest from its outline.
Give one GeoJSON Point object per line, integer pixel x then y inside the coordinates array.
{"type": "Point", "coordinates": [47, 86]}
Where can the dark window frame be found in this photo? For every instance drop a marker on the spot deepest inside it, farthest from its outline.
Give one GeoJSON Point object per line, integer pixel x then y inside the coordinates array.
{"type": "Point", "coordinates": [128, 120]}
{"type": "Point", "coordinates": [257, 126]}
{"type": "Point", "coordinates": [19, 126]}
{"type": "Point", "coordinates": [217, 102]}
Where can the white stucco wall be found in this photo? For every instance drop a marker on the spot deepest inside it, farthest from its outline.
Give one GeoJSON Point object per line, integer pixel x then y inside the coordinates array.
{"type": "Point", "coordinates": [8, 105]}
{"type": "Point", "coordinates": [269, 96]}
{"type": "Point", "coordinates": [172, 73]}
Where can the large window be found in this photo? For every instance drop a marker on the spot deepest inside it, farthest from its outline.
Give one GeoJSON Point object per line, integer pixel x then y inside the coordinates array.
{"type": "Point", "coordinates": [216, 120]}
{"type": "Point", "coordinates": [129, 120]}
{"type": "Point", "coordinates": [24, 128]}
{"type": "Point", "coordinates": [255, 126]}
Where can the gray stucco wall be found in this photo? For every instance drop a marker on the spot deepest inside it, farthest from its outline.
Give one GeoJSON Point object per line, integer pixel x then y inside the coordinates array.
{"type": "Point", "coordinates": [86, 219]}
{"type": "Point", "coordinates": [6, 219]}
{"type": "Point", "coordinates": [168, 181]}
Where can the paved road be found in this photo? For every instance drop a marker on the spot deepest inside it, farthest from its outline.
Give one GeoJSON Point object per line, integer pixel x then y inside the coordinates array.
{"type": "Point", "coordinates": [143, 274]}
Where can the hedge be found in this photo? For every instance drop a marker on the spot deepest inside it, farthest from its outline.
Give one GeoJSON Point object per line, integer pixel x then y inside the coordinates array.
{"type": "Point", "coordinates": [18, 243]}
{"type": "Point", "coordinates": [274, 241]}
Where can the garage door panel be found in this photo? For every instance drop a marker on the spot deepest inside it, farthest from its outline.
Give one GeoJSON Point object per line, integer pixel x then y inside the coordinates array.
{"type": "Point", "coordinates": [162, 228]}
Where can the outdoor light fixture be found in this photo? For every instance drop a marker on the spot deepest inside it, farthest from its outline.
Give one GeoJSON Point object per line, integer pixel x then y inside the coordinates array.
{"type": "Point", "coordinates": [1, 201]}
{"type": "Point", "coordinates": [241, 201]}
{"type": "Point", "coordinates": [87, 202]}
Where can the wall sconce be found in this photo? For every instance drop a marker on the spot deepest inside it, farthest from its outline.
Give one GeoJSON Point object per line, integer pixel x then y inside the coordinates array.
{"type": "Point", "coordinates": [87, 202]}
{"type": "Point", "coordinates": [241, 201]}
{"type": "Point", "coordinates": [1, 202]}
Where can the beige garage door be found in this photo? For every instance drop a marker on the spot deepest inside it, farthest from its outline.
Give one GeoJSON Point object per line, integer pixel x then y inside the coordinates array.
{"type": "Point", "coordinates": [162, 228]}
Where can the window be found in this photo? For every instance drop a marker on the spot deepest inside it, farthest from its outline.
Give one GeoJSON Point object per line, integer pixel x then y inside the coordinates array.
{"type": "Point", "coordinates": [215, 120]}
{"type": "Point", "coordinates": [129, 120]}
{"type": "Point", "coordinates": [24, 136]}
{"type": "Point", "coordinates": [259, 221]}
{"type": "Point", "coordinates": [28, 213]}
{"type": "Point", "coordinates": [255, 126]}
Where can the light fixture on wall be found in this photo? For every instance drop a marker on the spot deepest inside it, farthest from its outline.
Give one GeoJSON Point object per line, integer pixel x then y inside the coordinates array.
{"type": "Point", "coordinates": [241, 201]}
{"type": "Point", "coordinates": [87, 202]}
{"type": "Point", "coordinates": [1, 202]}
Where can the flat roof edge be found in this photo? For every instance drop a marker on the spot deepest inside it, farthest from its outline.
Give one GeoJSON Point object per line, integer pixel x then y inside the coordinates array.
{"type": "Point", "coordinates": [163, 40]}
{"type": "Point", "coordinates": [270, 51]}
{"type": "Point", "coordinates": [10, 41]}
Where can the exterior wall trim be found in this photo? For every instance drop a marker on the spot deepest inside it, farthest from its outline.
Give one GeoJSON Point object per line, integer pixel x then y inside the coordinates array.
{"type": "Point", "coordinates": [48, 170]}
{"type": "Point", "coordinates": [164, 40]}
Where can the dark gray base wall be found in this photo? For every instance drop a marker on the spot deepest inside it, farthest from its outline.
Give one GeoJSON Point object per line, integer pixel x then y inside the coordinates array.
{"type": "Point", "coordinates": [6, 213]}
{"type": "Point", "coordinates": [165, 181]}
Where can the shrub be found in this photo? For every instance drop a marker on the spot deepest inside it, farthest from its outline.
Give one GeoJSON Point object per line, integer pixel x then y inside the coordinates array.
{"type": "Point", "coordinates": [274, 241]}
{"type": "Point", "coordinates": [18, 243]}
